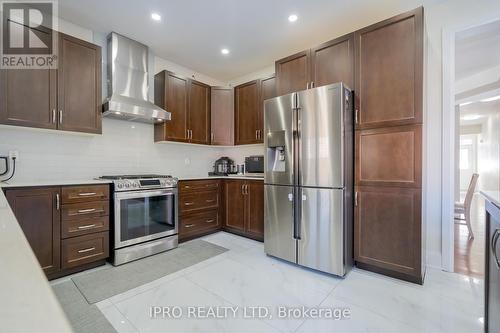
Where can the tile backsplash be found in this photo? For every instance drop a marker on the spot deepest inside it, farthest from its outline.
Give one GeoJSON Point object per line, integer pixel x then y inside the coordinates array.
{"type": "Point", "coordinates": [123, 148]}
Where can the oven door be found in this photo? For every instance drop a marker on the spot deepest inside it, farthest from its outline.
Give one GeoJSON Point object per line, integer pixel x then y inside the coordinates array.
{"type": "Point", "coordinates": [144, 215]}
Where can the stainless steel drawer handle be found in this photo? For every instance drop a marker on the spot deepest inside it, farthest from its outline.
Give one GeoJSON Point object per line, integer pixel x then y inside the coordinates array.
{"type": "Point", "coordinates": [189, 225]}
{"type": "Point", "coordinates": [189, 203]}
{"type": "Point", "coordinates": [86, 194]}
{"type": "Point", "coordinates": [86, 250]}
{"type": "Point", "coordinates": [210, 221]}
{"type": "Point", "coordinates": [86, 211]}
{"type": "Point", "coordinates": [86, 226]}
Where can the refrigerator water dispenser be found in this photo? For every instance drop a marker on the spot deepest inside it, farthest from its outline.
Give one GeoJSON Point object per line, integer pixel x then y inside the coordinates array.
{"type": "Point", "coordinates": [276, 151]}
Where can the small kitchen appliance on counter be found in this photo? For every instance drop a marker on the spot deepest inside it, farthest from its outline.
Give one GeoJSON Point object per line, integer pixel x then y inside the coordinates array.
{"type": "Point", "coordinates": [223, 167]}
{"type": "Point", "coordinates": [254, 165]}
{"type": "Point", "coordinates": [145, 216]}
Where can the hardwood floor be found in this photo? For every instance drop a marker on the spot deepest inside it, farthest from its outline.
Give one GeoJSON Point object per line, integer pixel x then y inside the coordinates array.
{"type": "Point", "coordinates": [469, 253]}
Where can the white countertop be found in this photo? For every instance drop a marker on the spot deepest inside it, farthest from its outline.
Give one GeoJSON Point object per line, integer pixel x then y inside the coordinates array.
{"type": "Point", "coordinates": [221, 177]}
{"type": "Point", "coordinates": [492, 196]}
{"type": "Point", "coordinates": [14, 183]}
{"type": "Point", "coordinates": [29, 305]}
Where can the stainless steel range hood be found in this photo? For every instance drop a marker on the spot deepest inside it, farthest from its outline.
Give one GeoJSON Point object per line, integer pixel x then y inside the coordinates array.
{"type": "Point", "coordinates": [128, 83]}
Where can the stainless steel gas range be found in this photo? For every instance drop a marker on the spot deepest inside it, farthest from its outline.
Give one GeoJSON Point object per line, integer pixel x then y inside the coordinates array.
{"type": "Point", "coordinates": [145, 216]}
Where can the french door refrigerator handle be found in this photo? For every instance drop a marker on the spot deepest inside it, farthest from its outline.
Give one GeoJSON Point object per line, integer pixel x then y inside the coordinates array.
{"type": "Point", "coordinates": [494, 241]}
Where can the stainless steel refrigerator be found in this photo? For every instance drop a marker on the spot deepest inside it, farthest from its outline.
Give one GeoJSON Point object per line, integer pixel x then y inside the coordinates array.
{"type": "Point", "coordinates": [308, 164]}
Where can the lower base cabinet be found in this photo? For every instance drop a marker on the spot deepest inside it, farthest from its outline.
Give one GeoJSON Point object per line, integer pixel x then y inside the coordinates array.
{"type": "Point", "coordinates": [66, 227]}
{"type": "Point", "coordinates": [244, 208]}
{"type": "Point", "coordinates": [232, 205]}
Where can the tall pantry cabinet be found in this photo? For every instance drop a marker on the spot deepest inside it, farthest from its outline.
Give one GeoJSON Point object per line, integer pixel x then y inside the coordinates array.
{"type": "Point", "coordinates": [388, 150]}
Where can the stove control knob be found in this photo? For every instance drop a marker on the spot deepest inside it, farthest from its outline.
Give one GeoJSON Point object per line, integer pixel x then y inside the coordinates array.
{"type": "Point", "coordinates": [120, 185]}
{"type": "Point", "coordinates": [127, 185]}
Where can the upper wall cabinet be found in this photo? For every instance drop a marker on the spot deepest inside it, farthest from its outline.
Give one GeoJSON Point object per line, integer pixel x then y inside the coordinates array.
{"type": "Point", "coordinates": [247, 113]}
{"type": "Point", "coordinates": [189, 103]}
{"type": "Point", "coordinates": [389, 75]}
{"type": "Point", "coordinates": [222, 114]}
{"type": "Point", "coordinates": [249, 109]}
{"type": "Point", "coordinates": [79, 85]}
{"type": "Point", "coordinates": [68, 98]}
{"type": "Point", "coordinates": [327, 63]}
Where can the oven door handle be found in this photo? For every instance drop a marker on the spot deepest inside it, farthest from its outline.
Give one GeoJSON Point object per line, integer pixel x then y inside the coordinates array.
{"type": "Point", "coordinates": [144, 194]}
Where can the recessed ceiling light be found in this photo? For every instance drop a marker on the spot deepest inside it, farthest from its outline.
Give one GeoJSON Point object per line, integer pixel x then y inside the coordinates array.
{"type": "Point", "coordinates": [491, 99]}
{"type": "Point", "coordinates": [156, 16]}
{"type": "Point", "coordinates": [224, 51]}
{"type": "Point", "coordinates": [292, 18]}
{"type": "Point", "coordinates": [117, 112]}
{"type": "Point", "coordinates": [471, 117]}
{"type": "Point", "coordinates": [465, 103]}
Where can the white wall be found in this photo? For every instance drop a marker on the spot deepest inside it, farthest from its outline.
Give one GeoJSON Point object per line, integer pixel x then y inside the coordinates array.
{"type": "Point", "coordinates": [489, 153]}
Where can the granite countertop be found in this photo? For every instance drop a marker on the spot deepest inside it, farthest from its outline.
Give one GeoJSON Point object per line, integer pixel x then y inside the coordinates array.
{"type": "Point", "coordinates": [29, 303]}
{"type": "Point", "coordinates": [492, 196]}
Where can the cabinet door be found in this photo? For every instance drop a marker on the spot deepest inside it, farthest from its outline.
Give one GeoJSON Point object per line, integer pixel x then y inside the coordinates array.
{"type": "Point", "coordinates": [267, 90]}
{"type": "Point", "coordinates": [246, 113]}
{"type": "Point", "coordinates": [389, 156]}
{"type": "Point", "coordinates": [389, 62]}
{"type": "Point", "coordinates": [36, 211]}
{"type": "Point", "coordinates": [199, 112]}
{"type": "Point", "coordinates": [171, 94]}
{"type": "Point", "coordinates": [222, 114]}
{"type": "Point", "coordinates": [387, 230]}
{"type": "Point", "coordinates": [292, 73]}
{"type": "Point", "coordinates": [255, 209]}
{"type": "Point", "coordinates": [234, 202]}
{"type": "Point", "coordinates": [79, 85]}
{"type": "Point", "coordinates": [29, 97]}
{"type": "Point", "coordinates": [333, 62]}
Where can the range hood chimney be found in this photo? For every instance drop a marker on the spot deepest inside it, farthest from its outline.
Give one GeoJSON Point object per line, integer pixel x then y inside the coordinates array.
{"type": "Point", "coordinates": [128, 83]}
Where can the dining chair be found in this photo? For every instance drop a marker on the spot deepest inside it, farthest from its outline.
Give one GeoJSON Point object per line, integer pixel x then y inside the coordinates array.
{"type": "Point", "coordinates": [463, 208]}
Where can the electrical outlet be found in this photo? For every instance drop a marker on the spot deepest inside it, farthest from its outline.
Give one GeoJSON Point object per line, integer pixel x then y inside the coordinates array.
{"type": "Point", "coordinates": [14, 154]}
{"type": "Point", "coordinates": [187, 161]}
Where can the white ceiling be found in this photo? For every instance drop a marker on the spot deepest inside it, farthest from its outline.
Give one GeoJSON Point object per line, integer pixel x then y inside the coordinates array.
{"type": "Point", "coordinates": [257, 32]}
{"type": "Point", "coordinates": [477, 50]}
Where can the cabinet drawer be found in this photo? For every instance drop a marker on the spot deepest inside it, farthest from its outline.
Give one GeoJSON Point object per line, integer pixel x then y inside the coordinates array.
{"type": "Point", "coordinates": [75, 194]}
{"type": "Point", "coordinates": [198, 185]}
{"type": "Point", "coordinates": [197, 201]}
{"type": "Point", "coordinates": [85, 210]}
{"type": "Point", "coordinates": [84, 226]}
{"type": "Point", "coordinates": [81, 250]}
{"type": "Point", "coordinates": [198, 222]}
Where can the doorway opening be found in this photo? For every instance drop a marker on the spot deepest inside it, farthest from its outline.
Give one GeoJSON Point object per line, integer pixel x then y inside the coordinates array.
{"type": "Point", "coordinates": [477, 141]}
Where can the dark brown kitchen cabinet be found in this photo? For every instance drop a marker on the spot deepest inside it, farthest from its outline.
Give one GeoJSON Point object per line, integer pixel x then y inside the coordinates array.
{"type": "Point", "coordinates": [333, 62]}
{"type": "Point", "coordinates": [222, 114]}
{"type": "Point", "coordinates": [327, 63]}
{"type": "Point", "coordinates": [388, 232]}
{"type": "Point", "coordinates": [244, 208]}
{"type": "Point", "coordinates": [188, 101]}
{"type": "Point", "coordinates": [171, 93]}
{"type": "Point", "coordinates": [199, 112]}
{"type": "Point", "coordinates": [389, 71]}
{"type": "Point", "coordinates": [292, 73]}
{"type": "Point", "coordinates": [37, 213]}
{"type": "Point", "coordinates": [79, 85]}
{"type": "Point", "coordinates": [29, 97]}
{"type": "Point", "coordinates": [247, 112]}
{"type": "Point", "coordinates": [66, 227]}
{"type": "Point", "coordinates": [67, 98]}
{"type": "Point", "coordinates": [388, 153]}
{"type": "Point", "coordinates": [199, 208]}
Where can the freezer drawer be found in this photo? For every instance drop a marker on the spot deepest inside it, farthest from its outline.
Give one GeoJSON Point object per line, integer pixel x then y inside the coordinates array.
{"type": "Point", "coordinates": [321, 239]}
{"type": "Point", "coordinates": [493, 268]}
{"type": "Point", "coordinates": [278, 222]}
